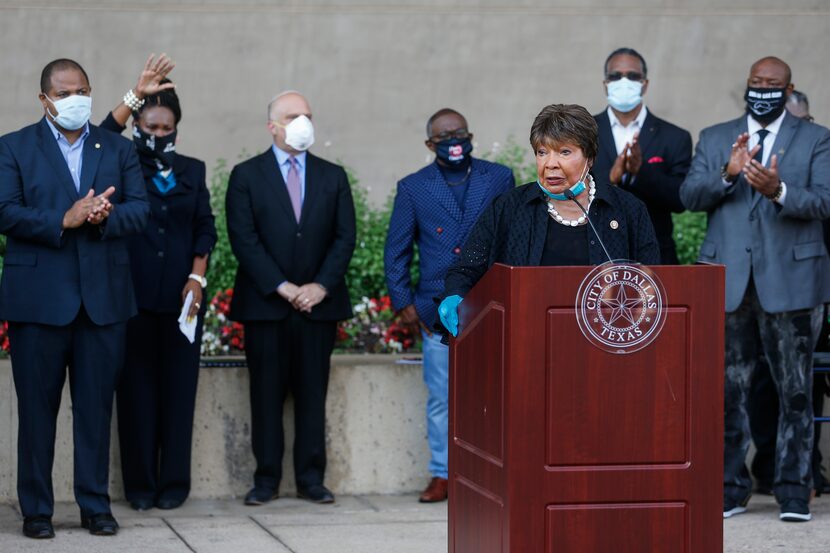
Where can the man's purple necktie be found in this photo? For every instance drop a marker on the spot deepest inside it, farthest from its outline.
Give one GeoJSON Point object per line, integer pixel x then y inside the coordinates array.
{"type": "Point", "coordinates": [294, 190]}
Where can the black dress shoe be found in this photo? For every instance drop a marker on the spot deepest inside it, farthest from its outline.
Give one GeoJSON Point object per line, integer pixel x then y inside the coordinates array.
{"type": "Point", "coordinates": [260, 496]}
{"type": "Point", "coordinates": [39, 528]}
{"type": "Point", "coordinates": [317, 493]}
{"type": "Point", "coordinates": [141, 504]}
{"type": "Point", "coordinates": [165, 503]}
{"type": "Point", "coordinates": [102, 524]}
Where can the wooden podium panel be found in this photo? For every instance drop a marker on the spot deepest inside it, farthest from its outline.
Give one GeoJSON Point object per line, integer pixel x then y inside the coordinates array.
{"type": "Point", "coordinates": [644, 392]}
{"type": "Point", "coordinates": [558, 446]}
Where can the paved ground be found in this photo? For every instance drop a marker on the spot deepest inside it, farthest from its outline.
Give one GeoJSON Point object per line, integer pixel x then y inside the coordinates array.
{"type": "Point", "coordinates": [370, 524]}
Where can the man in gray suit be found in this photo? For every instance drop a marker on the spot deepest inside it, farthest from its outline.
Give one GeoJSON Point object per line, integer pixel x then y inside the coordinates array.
{"type": "Point", "coordinates": [764, 180]}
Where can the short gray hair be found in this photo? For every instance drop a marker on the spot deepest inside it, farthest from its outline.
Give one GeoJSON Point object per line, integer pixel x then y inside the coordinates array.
{"type": "Point", "coordinates": [277, 97]}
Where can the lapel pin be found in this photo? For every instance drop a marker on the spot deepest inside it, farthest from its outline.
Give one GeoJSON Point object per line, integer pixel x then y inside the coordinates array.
{"type": "Point", "coordinates": [614, 224]}
{"type": "Point", "coordinates": [97, 146]}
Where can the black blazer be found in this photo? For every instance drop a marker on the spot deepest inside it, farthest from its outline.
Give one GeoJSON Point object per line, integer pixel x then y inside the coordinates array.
{"type": "Point", "coordinates": [49, 274]}
{"type": "Point", "coordinates": [667, 155]}
{"type": "Point", "coordinates": [513, 228]}
{"type": "Point", "coordinates": [272, 248]}
{"type": "Point", "coordinates": [181, 227]}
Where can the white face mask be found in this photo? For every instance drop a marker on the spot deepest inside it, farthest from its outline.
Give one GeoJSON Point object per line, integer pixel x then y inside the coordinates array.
{"type": "Point", "coordinates": [299, 133]}
{"type": "Point", "coordinates": [624, 95]}
{"type": "Point", "coordinates": [73, 111]}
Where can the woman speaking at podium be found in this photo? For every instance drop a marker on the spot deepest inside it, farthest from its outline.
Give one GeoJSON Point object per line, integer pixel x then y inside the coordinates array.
{"type": "Point", "coordinates": [564, 218]}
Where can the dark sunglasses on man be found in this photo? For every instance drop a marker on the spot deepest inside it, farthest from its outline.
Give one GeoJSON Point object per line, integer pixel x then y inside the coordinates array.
{"type": "Point", "coordinates": [630, 75]}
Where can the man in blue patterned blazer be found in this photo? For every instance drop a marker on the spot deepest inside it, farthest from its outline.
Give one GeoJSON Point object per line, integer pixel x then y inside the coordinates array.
{"type": "Point", "coordinates": [436, 208]}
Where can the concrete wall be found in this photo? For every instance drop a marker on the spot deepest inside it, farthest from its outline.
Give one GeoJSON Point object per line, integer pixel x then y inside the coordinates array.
{"type": "Point", "coordinates": [375, 69]}
{"type": "Point", "coordinates": [376, 434]}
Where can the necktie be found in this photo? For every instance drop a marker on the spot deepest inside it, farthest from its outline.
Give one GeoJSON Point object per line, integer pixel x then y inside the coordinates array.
{"type": "Point", "coordinates": [759, 156]}
{"type": "Point", "coordinates": [293, 185]}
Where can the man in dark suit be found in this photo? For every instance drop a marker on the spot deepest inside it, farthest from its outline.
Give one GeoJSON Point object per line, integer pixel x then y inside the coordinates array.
{"type": "Point", "coordinates": [291, 225]}
{"type": "Point", "coordinates": [70, 194]}
{"type": "Point", "coordinates": [764, 181]}
{"type": "Point", "coordinates": [639, 152]}
{"type": "Point", "coordinates": [437, 207]}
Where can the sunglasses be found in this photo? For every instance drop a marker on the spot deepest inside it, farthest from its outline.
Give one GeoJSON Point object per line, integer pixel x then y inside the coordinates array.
{"type": "Point", "coordinates": [631, 76]}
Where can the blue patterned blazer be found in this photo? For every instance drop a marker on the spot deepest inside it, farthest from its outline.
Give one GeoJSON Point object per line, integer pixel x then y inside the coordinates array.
{"type": "Point", "coordinates": [426, 213]}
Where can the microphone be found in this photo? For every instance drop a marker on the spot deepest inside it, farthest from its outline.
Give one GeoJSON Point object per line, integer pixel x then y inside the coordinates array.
{"type": "Point", "coordinates": [570, 195]}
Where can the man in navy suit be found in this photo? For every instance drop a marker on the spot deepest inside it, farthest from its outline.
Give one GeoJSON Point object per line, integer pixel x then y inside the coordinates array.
{"type": "Point", "coordinates": [70, 193]}
{"type": "Point", "coordinates": [436, 208]}
{"type": "Point", "coordinates": [639, 152]}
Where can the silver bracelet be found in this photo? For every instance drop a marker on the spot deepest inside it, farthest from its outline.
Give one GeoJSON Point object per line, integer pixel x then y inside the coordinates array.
{"type": "Point", "coordinates": [132, 101]}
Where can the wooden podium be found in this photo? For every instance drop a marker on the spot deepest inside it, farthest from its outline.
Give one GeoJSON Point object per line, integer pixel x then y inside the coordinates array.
{"type": "Point", "coordinates": [559, 447]}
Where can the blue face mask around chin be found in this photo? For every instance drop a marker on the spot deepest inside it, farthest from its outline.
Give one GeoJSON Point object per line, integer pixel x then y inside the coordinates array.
{"type": "Point", "coordinates": [577, 188]}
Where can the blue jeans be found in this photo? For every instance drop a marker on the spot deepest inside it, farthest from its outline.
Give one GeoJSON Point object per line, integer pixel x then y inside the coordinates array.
{"type": "Point", "coordinates": [436, 377]}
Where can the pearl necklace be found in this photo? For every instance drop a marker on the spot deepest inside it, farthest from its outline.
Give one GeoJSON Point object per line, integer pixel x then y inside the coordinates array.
{"type": "Point", "coordinates": [592, 190]}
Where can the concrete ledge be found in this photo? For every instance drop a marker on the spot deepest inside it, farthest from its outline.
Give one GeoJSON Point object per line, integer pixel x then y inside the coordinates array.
{"type": "Point", "coordinates": [376, 433]}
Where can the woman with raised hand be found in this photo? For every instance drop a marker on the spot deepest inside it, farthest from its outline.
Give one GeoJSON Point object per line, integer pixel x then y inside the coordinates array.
{"type": "Point", "coordinates": [157, 391]}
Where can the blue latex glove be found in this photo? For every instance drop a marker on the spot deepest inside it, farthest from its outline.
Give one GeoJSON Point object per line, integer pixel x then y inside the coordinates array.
{"type": "Point", "coordinates": [448, 313]}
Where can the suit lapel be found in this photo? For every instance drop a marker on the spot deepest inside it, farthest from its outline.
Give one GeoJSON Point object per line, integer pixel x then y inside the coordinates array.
{"type": "Point", "coordinates": [785, 135]}
{"type": "Point", "coordinates": [49, 147]}
{"type": "Point", "coordinates": [647, 134]}
{"type": "Point", "coordinates": [91, 158]}
{"type": "Point", "coordinates": [275, 184]}
{"type": "Point", "coordinates": [436, 186]}
{"type": "Point", "coordinates": [477, 191]}
{"type": "Point", "coordinates": [313, 185]}
{"type": "Point", "coordinates": [607, 146]}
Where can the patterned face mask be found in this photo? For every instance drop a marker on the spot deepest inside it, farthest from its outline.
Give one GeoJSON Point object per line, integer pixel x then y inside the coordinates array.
{"type": "Point", "coordinates": [160, 148]}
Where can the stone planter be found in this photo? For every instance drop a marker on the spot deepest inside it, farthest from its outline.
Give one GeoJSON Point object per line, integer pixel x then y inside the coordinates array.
{"type": "Point", "coordinates": [376, 435]}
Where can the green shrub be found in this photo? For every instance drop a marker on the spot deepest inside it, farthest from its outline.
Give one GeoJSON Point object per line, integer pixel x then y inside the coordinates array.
{"type": "Point", "coordinates": [689, 230]}
{"type": "Point", "coordinates": [222, 261]}
{"type": "Point", "coordinates": [366, 277]}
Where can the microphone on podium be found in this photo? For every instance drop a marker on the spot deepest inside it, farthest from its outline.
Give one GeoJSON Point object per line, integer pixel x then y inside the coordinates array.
{"type": "Point", "coordinates": [570, 196]}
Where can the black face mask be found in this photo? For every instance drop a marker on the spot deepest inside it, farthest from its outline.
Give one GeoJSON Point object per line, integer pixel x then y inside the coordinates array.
{"type": "Point", "coordinates": [765, 105]}
{"type": "Point", "coordinates": [162, 149]}
{"type": "Point", "coordinates": [454, 152]}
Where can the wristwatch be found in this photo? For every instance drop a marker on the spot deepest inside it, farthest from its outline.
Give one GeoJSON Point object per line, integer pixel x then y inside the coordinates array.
{"type": "Point", "coordinates": [724, 174]}
{"type": "Point", "coordinates": [198, 278]}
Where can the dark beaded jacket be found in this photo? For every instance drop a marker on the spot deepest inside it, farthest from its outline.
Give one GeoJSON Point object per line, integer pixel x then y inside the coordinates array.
{"type": "Point", "coordinates": [513, 228]}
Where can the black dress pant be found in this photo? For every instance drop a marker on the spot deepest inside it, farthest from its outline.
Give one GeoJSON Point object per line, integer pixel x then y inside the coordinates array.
{"type": "Point", "coordinates": [293, 354]}
{"type": "Point", "coordinates": [763, 422]}
{"type": "Point", "coordinates": [156, 397]}
{"type": "Point", "coordinates": [40, 357]}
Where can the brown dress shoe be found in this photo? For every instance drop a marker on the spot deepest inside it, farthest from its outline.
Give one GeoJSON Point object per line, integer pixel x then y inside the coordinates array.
{"type": "Point", "coordinates": [436, 491]}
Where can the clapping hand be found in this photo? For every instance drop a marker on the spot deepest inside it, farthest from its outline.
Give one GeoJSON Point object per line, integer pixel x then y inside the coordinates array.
{"type": "Point", "coordinates": [91, 209]}
{"type": "Point", "coordinates": [634, 157]}
{"type": "Point", "coordinates": [629, 161]}
{"type": "Point", "coordinates": [764, 180]}
{"type": "Point", "coordinates": [740, 155]}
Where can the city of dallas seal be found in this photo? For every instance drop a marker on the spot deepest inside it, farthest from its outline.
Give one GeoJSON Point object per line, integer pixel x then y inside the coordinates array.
{"type": "Point", "coordinates": [621, 307]}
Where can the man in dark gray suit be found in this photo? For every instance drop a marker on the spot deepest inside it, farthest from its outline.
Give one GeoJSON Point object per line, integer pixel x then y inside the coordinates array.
{"type": "Point", "coordinates": [764, 180]}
